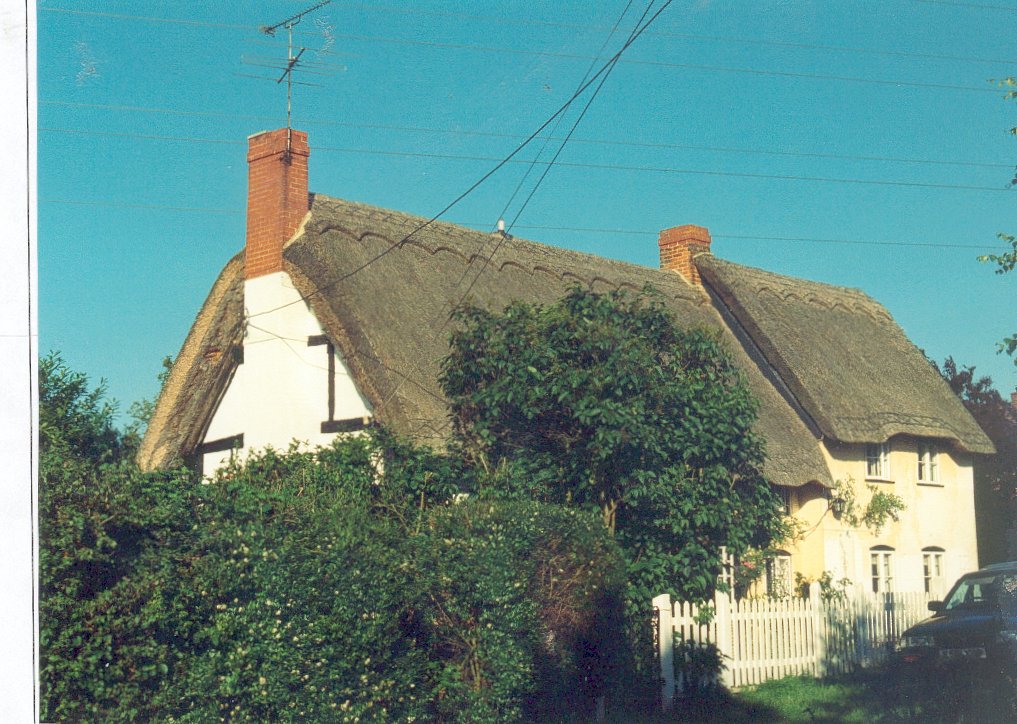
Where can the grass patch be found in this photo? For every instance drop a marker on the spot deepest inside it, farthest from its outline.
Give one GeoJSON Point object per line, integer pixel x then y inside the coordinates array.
{"type": "Point", "coordinates": [976, 694]}
{"type": "Point", "coordinates": [879, 695]}
{"type": "Point", "coordinates": [806, 699]}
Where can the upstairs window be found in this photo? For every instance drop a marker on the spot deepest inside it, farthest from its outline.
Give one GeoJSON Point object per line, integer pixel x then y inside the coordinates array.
{"type": "Point", "coordinates": [786, 496]}
{"type": "Point", "coordinates": [877, 460]}
{"type": "Point", "coordinates": [928, 463]}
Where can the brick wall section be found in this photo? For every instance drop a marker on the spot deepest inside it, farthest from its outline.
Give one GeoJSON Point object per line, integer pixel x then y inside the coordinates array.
{"type": "Point", "coordinates": [679, 245]}
{"type": "Point", "coordinates": [277, 198]}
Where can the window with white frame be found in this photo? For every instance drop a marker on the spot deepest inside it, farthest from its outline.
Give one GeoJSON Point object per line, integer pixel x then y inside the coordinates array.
{"type": "Point", "coordinates": [881, 565]}
{"type": "Point", "coordinates": [877, 460]}
{"type": "Point", "coordinates": [727, 560]}
{"type": "Point", "coordinates": [778, 575]}
{"type": "Point", "coordinates": [932, 569]}
{"type": "Point", "coordinates": [928, 462]}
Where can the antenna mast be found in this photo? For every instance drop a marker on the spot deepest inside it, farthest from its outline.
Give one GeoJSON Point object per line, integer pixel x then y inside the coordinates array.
{"type": "Point", "coordinates": [291, 63]}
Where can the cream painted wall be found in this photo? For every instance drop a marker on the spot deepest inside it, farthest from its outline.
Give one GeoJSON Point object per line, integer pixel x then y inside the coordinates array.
{"type": "Point", "coordinates": [936, 515]}
{"type": "Point", "coordinates": [280, 392]}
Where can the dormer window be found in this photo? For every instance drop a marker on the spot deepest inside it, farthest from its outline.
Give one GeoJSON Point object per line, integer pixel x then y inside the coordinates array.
{"type": "Point", "coordinates": [928, 463]}
{"type": "Point", "coordinates": [877, 460]}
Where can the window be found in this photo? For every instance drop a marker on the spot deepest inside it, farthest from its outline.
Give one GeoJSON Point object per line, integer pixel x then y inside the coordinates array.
{"type": "Point", "coordinates": [881, 561]}
{"type": "Point", "coordinates": [928, 463]}
{"type": "Point", "coordinates": [778, 575]}
{"type": "Point", "coordinates": [786, 496]}
{"type": "Point", "coordinates": [932, 569]}
{"type": "Point", "coordinates": [877, 460]}
{"type": "Point", "coordinates": [727, 568]}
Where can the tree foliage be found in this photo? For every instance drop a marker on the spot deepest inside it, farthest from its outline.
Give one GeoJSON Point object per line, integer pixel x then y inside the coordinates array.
{"type": "Point", "coordinates": [141, 411]}
{"type": "Point", "coordinates": [1006, 260]}
{"type": "Point", "coordinates": [602, 402]}
{"type": "Point", "coordinates": [995, 475]}
{"type": "Point", "coordinates": [75, 422]}
{"type": "Point", "coordinates": [327, 585]}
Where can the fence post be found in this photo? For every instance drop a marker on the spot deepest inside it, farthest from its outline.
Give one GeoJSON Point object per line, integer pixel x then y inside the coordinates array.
{"type": "Point", "coordinates": [665, 647]}
{"type": "Point", "coordinates": [819, 627]}
{"type": "Point", "coordinates": [722, 603]}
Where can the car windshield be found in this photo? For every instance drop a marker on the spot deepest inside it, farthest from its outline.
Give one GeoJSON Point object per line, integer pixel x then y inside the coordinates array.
{"type": "Point", "coordinates": [972, 592]}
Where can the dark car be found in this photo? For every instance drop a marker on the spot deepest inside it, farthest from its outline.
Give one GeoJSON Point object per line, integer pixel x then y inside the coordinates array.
{"type": "Point", "coordinates": [977, 621]}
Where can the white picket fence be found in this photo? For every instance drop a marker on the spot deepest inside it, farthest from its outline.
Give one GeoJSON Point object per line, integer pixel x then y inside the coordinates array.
{"type": "Point", "coordinates": [762, 639]}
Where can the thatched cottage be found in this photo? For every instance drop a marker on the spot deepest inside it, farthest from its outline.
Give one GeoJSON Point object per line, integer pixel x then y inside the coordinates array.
{"type": "Point", "coordinates": [334, 315]}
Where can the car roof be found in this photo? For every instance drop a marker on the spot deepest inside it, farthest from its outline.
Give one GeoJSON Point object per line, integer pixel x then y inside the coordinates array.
{"type": "Point", "coordinates": [995, 567]}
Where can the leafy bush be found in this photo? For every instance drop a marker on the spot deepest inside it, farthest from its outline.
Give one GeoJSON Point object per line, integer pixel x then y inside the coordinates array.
{"type": "Point", "coordinates": [106, 622]}
{"type": "Point", "coordinates": [341, 583]}
{"type": "Point", "coordinates": [524, 606]}
{"type": "Point", "coordinates": [601, 402]}
{"type": "Point", "coordinates": [271, 594]}
{"type": "Point", "coordinates": [302, 601]}
{"type": "Point", "coordinates": [105, 625]}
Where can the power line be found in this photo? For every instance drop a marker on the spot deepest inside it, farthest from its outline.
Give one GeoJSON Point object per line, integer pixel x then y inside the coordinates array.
{"type": "Point", "coordinates": [505, 236]}
{"type": "Point", "coordinates": [546, 227]}
{"type": "Point", "coordinates": [149, 19]}
{"type": "Point", "coordinates": [568, 136]}
{"type": "Point", "coordinates": [581, 26]}
{"type": "Point", "coordinates": [746, 237]}
{"type": "Point", "coordinates": [511, 136]}
{"type": "Point", "coordinates": [686, 36]}
{"type": "Point", "coordinates": [849, 241]}
{"type": "Point", "coordinates": [584, 165]}
{"type": "Point", "coordinates": [547, 168]}
{"type": "Point", "coordinates": [978, 6]}
{"type": "Point", "coordinates": [487, 175]}
{"type": "Point", "coordinates": [126, 205]}
{"type": "Point", "coordinates": [543, 53]}
{"type": "Point", "coordinates": [548, 139]}
{"type": "Point", "coordinates": [663, 64]}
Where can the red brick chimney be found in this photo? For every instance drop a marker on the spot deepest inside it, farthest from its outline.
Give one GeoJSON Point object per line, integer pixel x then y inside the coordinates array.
{"type": "Point", "coordinates": [679, 245]}
{"type": "Point", "coordinates": [277, 198]}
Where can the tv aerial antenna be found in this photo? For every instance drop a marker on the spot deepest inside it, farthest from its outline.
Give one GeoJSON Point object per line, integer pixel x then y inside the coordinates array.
{"type": "Point", "coordinates": [293, 62]}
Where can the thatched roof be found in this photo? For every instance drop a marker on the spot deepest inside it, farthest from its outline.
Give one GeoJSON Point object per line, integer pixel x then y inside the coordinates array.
{"type": "Point", "coordinates": [843, 358]}
{"type": "Point", "coordinates": [389, 321]}
{"type": "Point", "coordinates": [199, 375]}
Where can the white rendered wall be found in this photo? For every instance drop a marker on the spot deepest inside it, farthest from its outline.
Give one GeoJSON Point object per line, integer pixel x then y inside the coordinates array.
{"type": "Point", "coordinates": [280, 392]}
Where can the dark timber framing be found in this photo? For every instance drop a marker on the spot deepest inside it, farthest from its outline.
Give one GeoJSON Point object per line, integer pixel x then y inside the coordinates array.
{"type": "Point", "coordinates": [316, 340]}
{"type": "Point", "coordinates": [351, 425]}
{"type": "Point", "coordinates": [234, 442]}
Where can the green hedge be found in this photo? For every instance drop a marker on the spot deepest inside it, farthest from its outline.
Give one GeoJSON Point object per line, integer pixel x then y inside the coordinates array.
{"type": "Point", "coordinates": [303, 586]}
{"type": "Point", "coordinates": [523, 602]}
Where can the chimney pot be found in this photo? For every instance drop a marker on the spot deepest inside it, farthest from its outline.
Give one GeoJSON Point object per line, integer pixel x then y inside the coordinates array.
{"type": "Point", "coordinates": [277, 196]}
{"type": "Point", "coordinates": [679, 247]}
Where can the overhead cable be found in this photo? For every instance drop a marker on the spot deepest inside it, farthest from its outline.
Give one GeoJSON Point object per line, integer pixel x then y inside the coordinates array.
{"type": "Point", "coordinates": [487, 175]}
{"type": "Point", "coordinates": [489, 134]}
{"type": "Point", "coordinates": [587, 165]}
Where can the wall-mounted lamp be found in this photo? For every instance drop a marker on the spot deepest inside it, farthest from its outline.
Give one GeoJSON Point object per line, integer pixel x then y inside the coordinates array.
{"type": "Point", "coordinates": [837, 506]}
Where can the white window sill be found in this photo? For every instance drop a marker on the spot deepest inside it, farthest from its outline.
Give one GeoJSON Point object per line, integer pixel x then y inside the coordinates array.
{"type": "Point", "coordinates": [880, 480]}
{"type": "Point", "coordinates": [931, 483]}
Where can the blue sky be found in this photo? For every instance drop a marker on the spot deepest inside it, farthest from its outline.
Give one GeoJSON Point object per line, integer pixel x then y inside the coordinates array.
{"type": "Point", "coordinates": [851, 142]}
